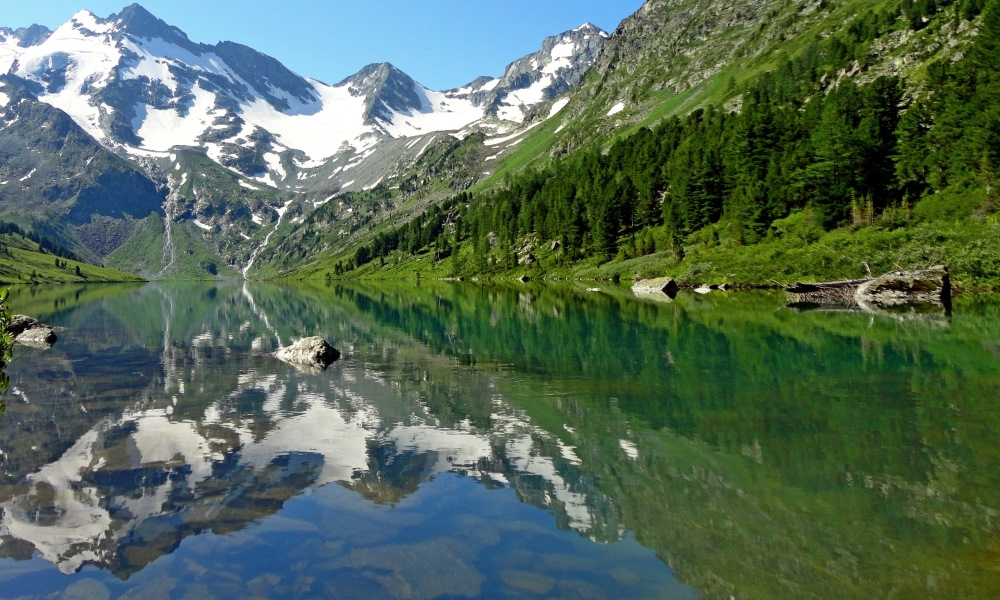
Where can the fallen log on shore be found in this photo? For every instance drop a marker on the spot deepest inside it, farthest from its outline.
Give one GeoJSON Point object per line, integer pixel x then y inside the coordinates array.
{"type": "Point", "coordinates": [831, 293]}
{"type": "Point", "coordinates": [921, 287]}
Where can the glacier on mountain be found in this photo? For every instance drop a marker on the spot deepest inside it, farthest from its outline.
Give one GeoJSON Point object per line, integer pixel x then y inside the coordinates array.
{"type": "Point", "coordinates": [142, 88]}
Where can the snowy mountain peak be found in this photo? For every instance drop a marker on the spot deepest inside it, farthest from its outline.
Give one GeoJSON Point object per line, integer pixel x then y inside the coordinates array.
{"type": "Point", "coordinates": [25, 37]}
{"type": "Point", "coordinates": [385, 89]}
{"type": "Point", "coordinates": [266, 75]}
{"type": "Point", "coordinates": [538, 77]}
{"type": "Point", "coordinates": [140, 23]}
{"type": "Point", "coordinates": [591, 28]}
{"type": "Point", "coordinates": [87, 23]}
{"type": "Point", "coordinates": [142, 88]}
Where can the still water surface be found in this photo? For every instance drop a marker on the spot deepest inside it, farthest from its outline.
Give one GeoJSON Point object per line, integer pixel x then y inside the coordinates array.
{"type": "Point", "coordinates": [493, 442]}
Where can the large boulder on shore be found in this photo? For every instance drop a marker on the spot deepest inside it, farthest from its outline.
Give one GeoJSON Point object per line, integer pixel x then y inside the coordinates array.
{"type": "Point", "coordinates": [915, 291]}
{"type": "Point", "coordinates": [311, 354]}
{"type": "Point", "coordinates": [661, 288]}
{"type": "Point", "coordinates": [930, 287]}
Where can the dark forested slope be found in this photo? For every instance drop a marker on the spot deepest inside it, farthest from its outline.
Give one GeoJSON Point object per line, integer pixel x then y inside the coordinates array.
{"type": "Point", "coordinates": [805, 170]}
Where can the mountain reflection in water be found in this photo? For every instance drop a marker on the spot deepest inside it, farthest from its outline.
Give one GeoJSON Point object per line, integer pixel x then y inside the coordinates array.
{"type": "Point", "coordinates": [219, 435]}
{"type": "Point", "coordinates": [756, 451]}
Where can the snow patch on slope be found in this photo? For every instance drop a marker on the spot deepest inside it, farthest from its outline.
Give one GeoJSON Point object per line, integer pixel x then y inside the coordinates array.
{"type": "Point", "coordinates": [498, 141]}
{"type": "Point", "coordinates": [439, 112]}
{"type": "Point", "coordinates": [320, 129]}
{"type": "Point", "coordinates": [8, 53]}
{"type": "Point", "coordinates": [558, 106]}
{"type": "Point", "coordinates": [164, 129]}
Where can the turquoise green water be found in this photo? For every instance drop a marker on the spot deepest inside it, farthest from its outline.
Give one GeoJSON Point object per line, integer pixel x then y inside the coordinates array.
{"type": "Point", "coordinates": [493, 442]}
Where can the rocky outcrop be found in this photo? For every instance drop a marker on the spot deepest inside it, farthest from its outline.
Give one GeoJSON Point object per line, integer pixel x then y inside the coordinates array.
{"type": "Point", "coordinates": [30, 332]}
{"type": "Point", "coordinates": [19, 323]}
{"type": "Point", "coordinates": [310, 355]}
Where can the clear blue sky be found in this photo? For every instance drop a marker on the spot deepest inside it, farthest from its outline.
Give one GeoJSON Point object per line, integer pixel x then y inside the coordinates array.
{"type": "Point", "coordinates": [441, 43]}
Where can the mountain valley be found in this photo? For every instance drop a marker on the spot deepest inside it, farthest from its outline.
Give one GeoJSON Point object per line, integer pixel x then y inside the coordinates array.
{"type": "Point", "coordinates": [700, 139]}
{"type": "Point", "coordinates": [220, 144]}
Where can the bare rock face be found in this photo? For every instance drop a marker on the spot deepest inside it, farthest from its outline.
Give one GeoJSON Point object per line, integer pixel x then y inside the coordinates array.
{"type": "Point", "coordinates": [930, 287]}
{"type": "Point", "coordinates": [311, 354]}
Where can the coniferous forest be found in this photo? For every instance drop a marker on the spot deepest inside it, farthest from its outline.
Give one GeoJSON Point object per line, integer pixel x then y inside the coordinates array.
{"type": "Point", "coordinates": [802, 150]}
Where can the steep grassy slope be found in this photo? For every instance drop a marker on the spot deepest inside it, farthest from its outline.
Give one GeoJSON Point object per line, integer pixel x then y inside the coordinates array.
{"type": "Point", "coordinates": [23, 261]}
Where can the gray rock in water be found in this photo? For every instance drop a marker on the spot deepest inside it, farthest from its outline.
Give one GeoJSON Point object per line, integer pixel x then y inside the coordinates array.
{"type": "Point", "coordinates": [20, 323]}
{"type": "Point", "coordinates": [39, 336]}
{"type": "Point", "coordinates": [930, 287]}
{"type": "Point", "coordinates": [916, 291]}
{"type": "Point", "coordinates": [660, 287]}
{"type": "Point", "coordinates": [311, 354]}
{"type": "Point", "coordinates": [30, 332]}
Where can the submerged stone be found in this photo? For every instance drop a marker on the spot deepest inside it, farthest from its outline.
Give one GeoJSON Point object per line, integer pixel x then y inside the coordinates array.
{"type": "Point", "coordinates": [404, 571]}
{"type": "Point", "coordinates": [526, 581]}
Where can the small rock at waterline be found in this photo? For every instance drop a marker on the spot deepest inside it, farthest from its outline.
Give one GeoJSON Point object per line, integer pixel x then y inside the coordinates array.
{"type": "Point", "coordinates": [39, 337]}
{"type": "Point", "coordinates": [313, 353]}
{"type": "Point", "coordinates": [662, 286]}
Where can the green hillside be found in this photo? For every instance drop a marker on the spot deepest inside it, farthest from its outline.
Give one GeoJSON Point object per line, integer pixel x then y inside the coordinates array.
{"type": "Point", "coordinates": [780, 142]}
{"type": "Point", "coordinates": [23, 260]}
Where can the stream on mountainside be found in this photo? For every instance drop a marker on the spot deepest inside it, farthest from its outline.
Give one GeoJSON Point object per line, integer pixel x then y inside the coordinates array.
{"type": "Point", "coordinates": [497, 441]}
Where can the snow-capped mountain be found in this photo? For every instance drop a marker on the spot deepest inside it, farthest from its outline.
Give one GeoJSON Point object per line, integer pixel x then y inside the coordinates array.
{"type": "Point", "coordinates": [141, 87]}
{"type": "Point", "coordinates": [538, 77]}
{"type": "Point", "coordinates": [232, 142]}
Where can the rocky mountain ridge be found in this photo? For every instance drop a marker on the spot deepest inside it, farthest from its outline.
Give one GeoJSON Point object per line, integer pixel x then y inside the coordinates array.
{"type": "Point", "coordinates": [148, 94]}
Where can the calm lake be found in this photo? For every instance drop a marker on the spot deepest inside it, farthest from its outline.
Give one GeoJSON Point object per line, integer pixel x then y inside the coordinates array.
{"type": "Point", "coordinates": [497, 441]}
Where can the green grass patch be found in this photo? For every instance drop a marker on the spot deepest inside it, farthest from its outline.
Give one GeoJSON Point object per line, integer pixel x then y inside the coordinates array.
{"type": "Point", "coordinates": [22, 261]}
